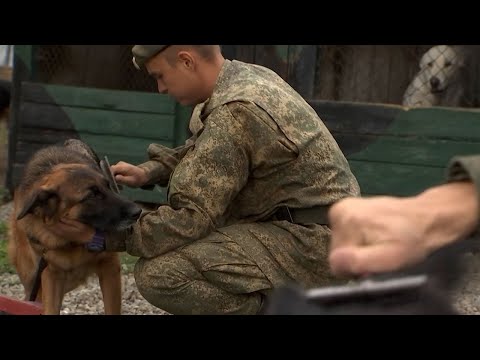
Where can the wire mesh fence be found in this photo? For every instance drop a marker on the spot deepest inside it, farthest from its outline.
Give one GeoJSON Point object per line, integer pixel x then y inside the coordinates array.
{"type": "Point", "coordinates": [102, 66]}
{"type": "Point", "coordinates": [410, 75]}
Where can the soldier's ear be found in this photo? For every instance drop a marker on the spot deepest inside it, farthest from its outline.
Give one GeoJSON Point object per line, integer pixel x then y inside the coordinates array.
{"type": "Point", "coordinates": [186, 59]}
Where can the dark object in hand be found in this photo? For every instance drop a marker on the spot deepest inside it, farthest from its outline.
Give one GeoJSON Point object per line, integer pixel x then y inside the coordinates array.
{"type": "Point", "coordinates": [421, 290]}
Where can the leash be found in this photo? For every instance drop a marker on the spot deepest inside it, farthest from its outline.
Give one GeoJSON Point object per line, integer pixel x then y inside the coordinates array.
{"type": "Point", "coordinates": [42, 264]}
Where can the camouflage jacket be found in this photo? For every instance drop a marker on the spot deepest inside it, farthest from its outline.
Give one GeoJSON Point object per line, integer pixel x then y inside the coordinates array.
{"type": "Point", "coordinates": [465, 168]}
{"type": "Point", "coordinates": [256, 145]}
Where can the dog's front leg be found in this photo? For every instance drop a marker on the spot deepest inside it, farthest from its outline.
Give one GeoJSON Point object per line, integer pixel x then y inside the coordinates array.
{"type": "Point", "coordinates": [53, 291]}
{"type": "Point", "coordinates": [110, 279]}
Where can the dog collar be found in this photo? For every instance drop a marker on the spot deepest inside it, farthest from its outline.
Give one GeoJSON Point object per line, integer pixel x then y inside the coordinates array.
{"type": "Point", "coordinates": [97, 244]}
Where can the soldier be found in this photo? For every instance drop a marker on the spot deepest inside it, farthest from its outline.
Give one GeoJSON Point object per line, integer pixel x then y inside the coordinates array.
{"type": "Point", "coordinates": [248, 193]}
{"type": "Point", "coordinates": [387, 233]}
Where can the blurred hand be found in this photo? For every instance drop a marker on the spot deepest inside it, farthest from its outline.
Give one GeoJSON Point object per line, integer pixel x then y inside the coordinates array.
{"type": "Point", "coordinates": [372, 235]}
{"type": "Point", "coordinates": [385, 233]}
{"type": "Point", "coordinates": [128, 174]}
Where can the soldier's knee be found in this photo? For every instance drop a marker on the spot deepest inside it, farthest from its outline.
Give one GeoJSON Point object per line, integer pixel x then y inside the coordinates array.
{"type": "Point", "coordinates": [140, 275]}
{"type": "Point", "coordinates": [160, 280]}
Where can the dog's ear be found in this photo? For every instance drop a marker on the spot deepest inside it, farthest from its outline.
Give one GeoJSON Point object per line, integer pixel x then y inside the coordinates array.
{"type": "Point", "coordinates": [47, 199]}
{"type": "Point", "coordinates": [82, 148]}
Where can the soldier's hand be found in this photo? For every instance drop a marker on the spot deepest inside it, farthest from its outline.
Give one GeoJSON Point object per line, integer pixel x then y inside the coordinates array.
{"type": "Point", "coordinates": [128, 174]}
{"type": "Point", "coordinates": [373, 235]}
{"type": "Point", "coordinates": [384, 233]}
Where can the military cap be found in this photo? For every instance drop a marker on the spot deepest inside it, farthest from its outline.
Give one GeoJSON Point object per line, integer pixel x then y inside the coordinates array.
{"type": "Point", "coordinates": [143, 53]}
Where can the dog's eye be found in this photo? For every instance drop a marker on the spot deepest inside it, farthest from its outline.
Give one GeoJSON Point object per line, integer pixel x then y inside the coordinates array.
{"type": "Point", "coordinates": [94, 193]}
{"type": "Point", "coordinates": [90, 196]}
{"type": "Point", "coordinates": [430, 64]}
{"type": "Point", "coordinates": [448, 63]}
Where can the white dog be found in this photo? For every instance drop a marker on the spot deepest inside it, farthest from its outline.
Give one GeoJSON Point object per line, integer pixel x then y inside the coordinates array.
{"type": "Point", "coordinates": [438, 68]}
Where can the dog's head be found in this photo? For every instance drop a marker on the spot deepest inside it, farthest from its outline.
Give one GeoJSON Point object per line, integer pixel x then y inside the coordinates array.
{"type": "Point", "coordinates": [74, 189]}
{"type": "Point", "coordinates": [439, 65]}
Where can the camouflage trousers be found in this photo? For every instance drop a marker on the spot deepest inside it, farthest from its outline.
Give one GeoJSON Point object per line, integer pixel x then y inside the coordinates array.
{"type": "Point", "coordinates": [216, 275]}
{"type": "Point", "coordinates": [211, 276]}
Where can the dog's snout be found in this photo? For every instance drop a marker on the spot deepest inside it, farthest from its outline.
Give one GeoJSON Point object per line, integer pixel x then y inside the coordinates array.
{"type": "Point", "coordinates": [434, 82]}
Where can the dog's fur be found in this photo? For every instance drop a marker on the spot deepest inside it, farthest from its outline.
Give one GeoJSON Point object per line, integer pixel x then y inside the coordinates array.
{"type": "Point", "coordinates": [66, 182]}
{"type": "Point", "coordinates": [439, 72]}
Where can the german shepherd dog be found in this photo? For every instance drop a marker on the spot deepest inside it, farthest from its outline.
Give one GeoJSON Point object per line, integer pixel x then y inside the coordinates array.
{"type": "Point", "coordinates": [65, 181]}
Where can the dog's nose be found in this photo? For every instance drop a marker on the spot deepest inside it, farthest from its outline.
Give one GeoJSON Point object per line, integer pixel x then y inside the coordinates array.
{"type": "Point", "coordinates": [434, 82]}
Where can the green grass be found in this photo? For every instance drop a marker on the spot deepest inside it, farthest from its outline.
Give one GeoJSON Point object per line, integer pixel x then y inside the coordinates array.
{"type": "Point", "coordinates": [128, 262]}
{"type": "Point", "coordinates": [4, 263]}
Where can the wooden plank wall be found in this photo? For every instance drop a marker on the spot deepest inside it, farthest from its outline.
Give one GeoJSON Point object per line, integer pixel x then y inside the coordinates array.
{"type": "Point", "coordinates": [397, 151]}
{"type": "Point", "coordinates": [391, 150]}
{"type": "Point", "coordinates": [118, 124]}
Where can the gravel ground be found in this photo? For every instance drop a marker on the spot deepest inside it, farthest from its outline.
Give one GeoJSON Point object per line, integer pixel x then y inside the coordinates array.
{"type": "Point", "coordinates": [87, 298]}
{"type": "Point", "coordinates": [5, 211]}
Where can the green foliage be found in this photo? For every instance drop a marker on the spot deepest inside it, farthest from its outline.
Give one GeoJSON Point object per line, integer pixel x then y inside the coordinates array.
{"type": "Point", "coordinates": [4, 262]}
{"type": "Point", "coordinates": [3, 192]}
{"type": "Point", "coordinates": [128, 262]}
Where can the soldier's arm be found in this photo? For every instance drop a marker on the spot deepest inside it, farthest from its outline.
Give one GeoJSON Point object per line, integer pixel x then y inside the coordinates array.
{"type": "Point", "coordinates": [387, 233]}
{"type": "Point", "coordinates": [162, 161]}
{"type": "Point", "coordinates": [205, 182]}
{"type": "Point", "coordinates": [466, 168]}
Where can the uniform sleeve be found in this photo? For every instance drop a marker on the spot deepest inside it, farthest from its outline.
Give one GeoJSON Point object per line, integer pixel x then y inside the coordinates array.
{"type": "Point", "coordinates": [162, 162]}
{"type": "Point", "coordinates": [462, 168]}
{"type": "Point", "coordinates": [204, 183]}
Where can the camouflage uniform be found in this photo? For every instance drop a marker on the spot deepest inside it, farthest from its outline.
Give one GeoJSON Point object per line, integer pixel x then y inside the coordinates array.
{"type": "Point", "coordinates": [217, 246]}
{"type": "Point", "coordinates": [465, 168]}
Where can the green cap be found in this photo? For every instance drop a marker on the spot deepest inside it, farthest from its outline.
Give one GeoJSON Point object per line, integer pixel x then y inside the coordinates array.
{"type": "Point", "coordinates": [142, 53]}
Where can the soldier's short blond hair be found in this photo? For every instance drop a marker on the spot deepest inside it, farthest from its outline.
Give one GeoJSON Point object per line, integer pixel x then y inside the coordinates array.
{"type": "Point", "coordinates": [207, 52]}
